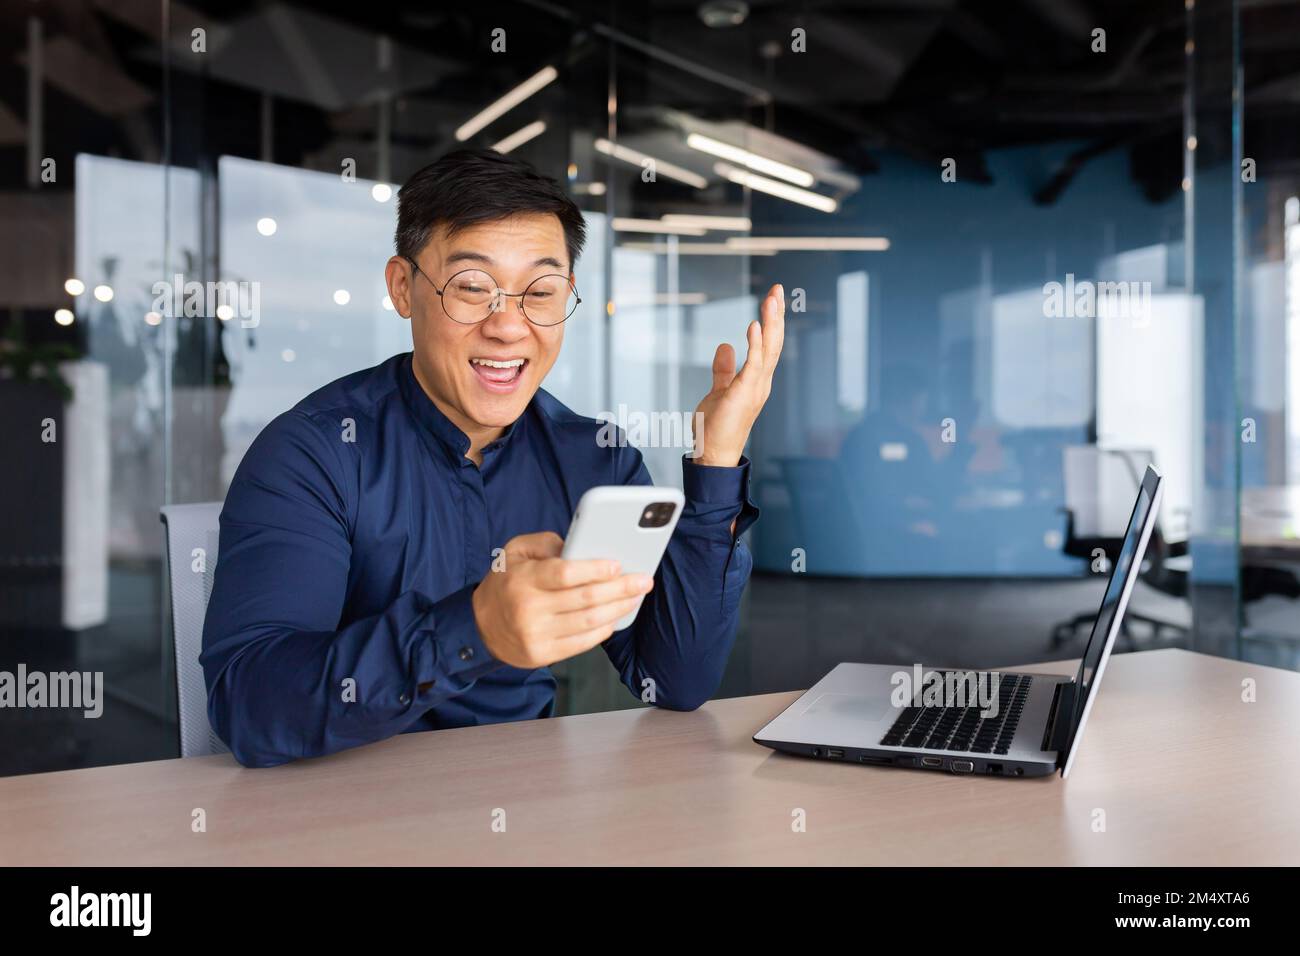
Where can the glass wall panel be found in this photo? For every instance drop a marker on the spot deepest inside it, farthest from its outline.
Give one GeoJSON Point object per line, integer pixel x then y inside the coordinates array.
{"type": "Point", "coordinates": [83, 192]}
{"type": "Point", "coordinates": [1268, 340]}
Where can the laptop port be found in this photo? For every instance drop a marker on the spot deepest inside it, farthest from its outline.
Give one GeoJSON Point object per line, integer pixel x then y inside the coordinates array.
{"type": "Point", "coordinates": [834, 753]}
{"type": "Point", "coordinates": [963, 766]}
{"type": "Point", "coordinates": [931, 761]}
{"type": "Point", "coordinates": [995, 768]}
{"type": "Point", "coordinates": [877, 761]}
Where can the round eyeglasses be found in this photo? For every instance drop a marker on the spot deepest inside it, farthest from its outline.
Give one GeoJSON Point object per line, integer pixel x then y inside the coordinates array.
{"type": "Point", "coordinates": [471, 295]}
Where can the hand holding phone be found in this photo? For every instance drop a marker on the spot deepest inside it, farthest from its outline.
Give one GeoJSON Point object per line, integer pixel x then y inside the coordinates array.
{"type": "Point", "coordinates": [536, 607]}
{"type": "Point", "coordinates": [630, 524]}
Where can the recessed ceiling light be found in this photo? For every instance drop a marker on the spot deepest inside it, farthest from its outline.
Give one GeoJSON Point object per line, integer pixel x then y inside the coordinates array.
{"type": "Point", "coordinates": [625, 224]}
{"type": "Point", "coordinates": [637, 158]}
{"type": "Point", "coordinates": [506, 103]}
{"type": "Point", "coordinates": [774, 188]}
{"type": "Point", "coordinates": [745, 157]}
{"type": "Point", "coordinates": [520, 136]}
{"type": "Point", "coordinates": [722, 14]}
{"type": "Point", "coordinates": [714, 223]}
{"type": "Point", "coordinates": [809, 243]}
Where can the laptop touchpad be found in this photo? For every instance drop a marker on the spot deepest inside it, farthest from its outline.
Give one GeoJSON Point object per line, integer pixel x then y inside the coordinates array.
{"type": "Point", "coordinates": [849, 706]}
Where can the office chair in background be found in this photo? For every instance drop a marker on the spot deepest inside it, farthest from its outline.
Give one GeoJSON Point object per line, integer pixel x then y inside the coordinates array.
{"type": "Point", "coordinates": [1090, 473]}
{"type": "Point", "coordinates": [188, 528]}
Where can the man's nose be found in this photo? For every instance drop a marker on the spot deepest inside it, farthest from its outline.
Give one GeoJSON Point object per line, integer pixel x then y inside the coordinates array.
{"type": "Point", "coordinates": [507, 318]}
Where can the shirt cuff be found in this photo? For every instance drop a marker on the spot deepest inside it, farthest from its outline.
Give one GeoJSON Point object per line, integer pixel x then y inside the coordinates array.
{"type": "Point", "coordinates": [720, 485]}
{"type": "Point", "coordinates": [459, 655]}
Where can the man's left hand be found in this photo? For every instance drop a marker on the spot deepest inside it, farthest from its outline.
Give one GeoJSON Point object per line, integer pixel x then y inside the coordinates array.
{"type": "Point", "coordinates": [729, 410]}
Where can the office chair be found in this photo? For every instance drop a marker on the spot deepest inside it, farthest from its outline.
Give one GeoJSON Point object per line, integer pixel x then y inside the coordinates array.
{"type": "Point", "coordinates": [1089, 471]}
{"type": "Point", "coordinates": [188, 528]}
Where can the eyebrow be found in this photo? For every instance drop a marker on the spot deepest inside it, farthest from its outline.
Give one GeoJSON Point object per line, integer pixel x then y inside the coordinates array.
{"type": "Point", "coordinates": [471, 256]}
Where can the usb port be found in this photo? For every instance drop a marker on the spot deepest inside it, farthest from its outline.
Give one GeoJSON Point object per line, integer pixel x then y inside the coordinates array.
{"type": "Point", "coordinates": [931, 761]}
{"type": "Point", "coordinates": [834, 753]}
{"type": "Point", "coordinates": [877, 761]}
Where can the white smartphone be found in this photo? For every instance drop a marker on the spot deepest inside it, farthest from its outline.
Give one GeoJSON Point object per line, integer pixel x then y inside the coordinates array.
{"type": "Point", "coordinates": [630, 524]}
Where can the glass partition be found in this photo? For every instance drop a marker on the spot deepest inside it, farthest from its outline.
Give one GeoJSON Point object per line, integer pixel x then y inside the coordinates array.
{"type": "Point", "coordinates": [1267, 283]}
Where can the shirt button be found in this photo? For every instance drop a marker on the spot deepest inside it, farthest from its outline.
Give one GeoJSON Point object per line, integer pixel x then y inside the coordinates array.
{"type": "Point", "coordinates": [404, 699]}
{"type": "Point", "coordinates": [466, 653]}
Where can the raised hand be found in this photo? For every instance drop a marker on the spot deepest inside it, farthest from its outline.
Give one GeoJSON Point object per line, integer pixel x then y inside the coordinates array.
{"type": "Point", "coordinates": [729, 410]}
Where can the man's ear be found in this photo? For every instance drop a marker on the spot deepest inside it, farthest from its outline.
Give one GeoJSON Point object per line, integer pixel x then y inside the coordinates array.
{"type": "Point", "coordinates": [399, 276]}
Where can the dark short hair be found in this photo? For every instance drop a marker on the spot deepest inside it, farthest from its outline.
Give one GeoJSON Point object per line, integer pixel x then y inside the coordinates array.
{"type": "Point", "coordinates": [471, 186]}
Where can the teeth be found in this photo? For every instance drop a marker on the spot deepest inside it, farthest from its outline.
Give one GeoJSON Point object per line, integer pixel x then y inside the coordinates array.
{"type": "Point", "coordinates": [512, 363]}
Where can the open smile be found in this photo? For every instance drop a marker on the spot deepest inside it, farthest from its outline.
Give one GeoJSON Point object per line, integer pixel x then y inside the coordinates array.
{"type": "Point", "coordinates": [499, 375]}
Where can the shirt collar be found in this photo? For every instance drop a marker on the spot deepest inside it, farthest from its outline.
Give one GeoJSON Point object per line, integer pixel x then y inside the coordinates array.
{"type": "Point", "coordinates": [436, 423]}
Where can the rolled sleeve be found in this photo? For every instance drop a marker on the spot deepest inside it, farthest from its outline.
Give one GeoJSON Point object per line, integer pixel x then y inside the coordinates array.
{"type": "Point", "coordinates": [720, 494]}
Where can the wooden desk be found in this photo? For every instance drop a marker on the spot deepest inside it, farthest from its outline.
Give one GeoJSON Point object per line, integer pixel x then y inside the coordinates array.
{"type": "Point", "coordinates": [1185, 771]}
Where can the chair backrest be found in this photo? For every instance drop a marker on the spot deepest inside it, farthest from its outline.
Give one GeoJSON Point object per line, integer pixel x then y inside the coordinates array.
{"type": "Point", "coordinates": [192, 536]}
{"type": "Point", "coordinates": [1100, 485]}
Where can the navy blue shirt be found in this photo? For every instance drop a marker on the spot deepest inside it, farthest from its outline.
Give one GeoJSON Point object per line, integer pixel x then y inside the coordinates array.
{"type": "Point", "coordinates": [355, 532]}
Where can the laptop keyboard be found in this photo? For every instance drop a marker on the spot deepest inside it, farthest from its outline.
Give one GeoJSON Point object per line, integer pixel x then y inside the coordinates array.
{"type": "Point", "coordinates": [962, 728]}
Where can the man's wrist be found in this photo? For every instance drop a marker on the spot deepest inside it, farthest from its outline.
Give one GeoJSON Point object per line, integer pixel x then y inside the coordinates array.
{"type": "Point", "coordinates": [715, 461]}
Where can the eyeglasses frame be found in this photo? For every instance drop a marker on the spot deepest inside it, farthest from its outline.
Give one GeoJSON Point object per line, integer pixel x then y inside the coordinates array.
{"type": "Point", "coordinates": [577, 299]}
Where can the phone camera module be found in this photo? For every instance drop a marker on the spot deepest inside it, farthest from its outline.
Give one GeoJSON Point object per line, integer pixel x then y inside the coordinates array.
{"type": "Point", "coordinates": [657, 515]}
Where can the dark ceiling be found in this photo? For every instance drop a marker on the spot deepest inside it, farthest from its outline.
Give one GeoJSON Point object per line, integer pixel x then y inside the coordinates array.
{"type": "Point", "coordinates": [928, 78]}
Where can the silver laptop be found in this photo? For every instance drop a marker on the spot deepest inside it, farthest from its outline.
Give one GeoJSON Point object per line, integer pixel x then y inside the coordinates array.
{"type": "Point", "coordinates": [988, 722]}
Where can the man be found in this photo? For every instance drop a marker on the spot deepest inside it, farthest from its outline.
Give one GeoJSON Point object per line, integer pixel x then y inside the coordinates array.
{"type": "Point", "coordinates": [390, 547]}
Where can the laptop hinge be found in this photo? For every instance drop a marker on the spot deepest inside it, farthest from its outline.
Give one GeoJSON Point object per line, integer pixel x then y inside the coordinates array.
{"type": "Point", "coordinates": [1059, 717]}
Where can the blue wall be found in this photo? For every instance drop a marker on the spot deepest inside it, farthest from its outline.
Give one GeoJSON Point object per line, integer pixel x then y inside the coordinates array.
{"type": "Point", "coordinates": [988, 506]}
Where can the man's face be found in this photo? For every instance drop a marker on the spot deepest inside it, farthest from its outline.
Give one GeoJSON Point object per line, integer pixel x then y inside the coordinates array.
{"type": "Point", "coordinates": [450, 357]}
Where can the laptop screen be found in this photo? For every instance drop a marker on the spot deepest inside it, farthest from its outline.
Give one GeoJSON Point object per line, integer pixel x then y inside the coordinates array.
{"type": "Point", "coordinates": [1129, 555]}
